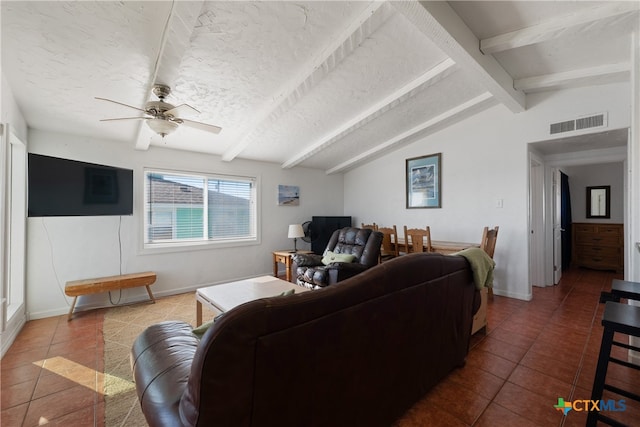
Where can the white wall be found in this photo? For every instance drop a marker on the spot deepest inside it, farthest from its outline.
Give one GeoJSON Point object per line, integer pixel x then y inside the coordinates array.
{"type": "Point", "coordinates": [484, 159]}
{"type": "Point", "coordinates": [9, 111]}
{"type": "Point", "coordinates": [581, 177]}
{"type": "Point", "coordinates": [71, 248]}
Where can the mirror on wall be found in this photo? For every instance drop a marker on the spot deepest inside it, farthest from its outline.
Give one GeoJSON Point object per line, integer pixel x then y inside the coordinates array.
{"type": "Point", "coordinates": [599, 201]}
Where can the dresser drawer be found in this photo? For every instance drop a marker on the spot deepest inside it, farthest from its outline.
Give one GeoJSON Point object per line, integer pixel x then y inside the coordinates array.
{"type": "Point", "coordinates": [597, 239]}
{"type": "Point", "coordinates": [592, 250]}
{"type": "Point", "coordinates": [584, 228]}
{"type": "Point", "coordinates": [609, 230]}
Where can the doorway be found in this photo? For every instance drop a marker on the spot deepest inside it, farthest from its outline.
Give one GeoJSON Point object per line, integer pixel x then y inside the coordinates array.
{"type": "Point", "coordinates": [587, 151]}
{"type": "Point", "coordinates": [565, 222]}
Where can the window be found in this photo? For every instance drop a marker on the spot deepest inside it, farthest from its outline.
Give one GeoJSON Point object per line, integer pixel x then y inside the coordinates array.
{"type": "Point", "coordinates": [189, 209]}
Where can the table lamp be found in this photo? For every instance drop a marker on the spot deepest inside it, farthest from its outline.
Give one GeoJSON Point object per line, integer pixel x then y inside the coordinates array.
{"type": "Point", "coordinates": [295, 231]}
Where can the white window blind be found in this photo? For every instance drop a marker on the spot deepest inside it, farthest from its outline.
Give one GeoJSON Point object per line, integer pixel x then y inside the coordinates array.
{"type": "Point", "coordinates": [184, 207]}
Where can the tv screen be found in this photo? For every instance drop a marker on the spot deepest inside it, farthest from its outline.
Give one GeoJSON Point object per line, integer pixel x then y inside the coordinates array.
{"type": "Point", "coordinates": [61, 187]}
{"type": "Point", "coordinates": [322, 227]}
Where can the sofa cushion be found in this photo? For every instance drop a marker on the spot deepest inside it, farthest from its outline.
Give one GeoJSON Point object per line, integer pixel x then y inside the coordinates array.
{"type": "Point", "coordinates": [330, 257]}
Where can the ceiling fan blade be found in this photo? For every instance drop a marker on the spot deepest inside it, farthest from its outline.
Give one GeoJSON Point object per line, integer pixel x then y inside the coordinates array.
{"type": "Point", "coordinates": [201, 126]}
{"type": "Point", "coordinates": [182, 110]}
{"type": "Point", "coordinates": [124, 118]}
{"type": "Point", "coordinates": [120, 103]}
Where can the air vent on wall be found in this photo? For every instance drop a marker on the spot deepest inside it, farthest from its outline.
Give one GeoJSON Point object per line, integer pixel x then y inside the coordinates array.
{"type": "Point", "coordinates": [594, 121]}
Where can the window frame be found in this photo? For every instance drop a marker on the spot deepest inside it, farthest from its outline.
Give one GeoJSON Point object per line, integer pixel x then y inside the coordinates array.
{"type": "Point", "coordinates": [200, 243]}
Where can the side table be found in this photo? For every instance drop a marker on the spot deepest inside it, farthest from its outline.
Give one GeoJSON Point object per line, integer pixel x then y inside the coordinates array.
{"type": "Point", "coordinates": [285, 258]}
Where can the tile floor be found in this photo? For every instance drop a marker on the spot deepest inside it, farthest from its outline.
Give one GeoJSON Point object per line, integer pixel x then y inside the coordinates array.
{"type": "Point", "coordinates": [532, 354]}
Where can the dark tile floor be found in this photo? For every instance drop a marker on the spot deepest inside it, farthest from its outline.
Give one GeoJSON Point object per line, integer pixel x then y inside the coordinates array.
{"type": "Point", "coordinates": [532, 354]}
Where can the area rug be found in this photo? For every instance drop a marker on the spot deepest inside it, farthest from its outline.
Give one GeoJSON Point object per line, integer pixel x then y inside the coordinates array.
{"type": "Point", "coordinates": [121, 326]}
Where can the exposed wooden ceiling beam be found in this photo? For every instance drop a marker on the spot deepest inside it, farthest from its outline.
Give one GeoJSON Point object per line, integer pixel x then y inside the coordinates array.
{"type": "Point", "coordinates": [176, 39]}
{"type": "Point", "coordinates": [439, 22]}
{"type": "Point", "coordinates": [560, 26]}
{"type": "Point", "coordinates": [434, 75]}
{"type": "Point", "coordinates": [449, 117]}
{"type": "Point", "coordinates": [595, 75]}
{"type": "Point", "coordinates": [339, 47]}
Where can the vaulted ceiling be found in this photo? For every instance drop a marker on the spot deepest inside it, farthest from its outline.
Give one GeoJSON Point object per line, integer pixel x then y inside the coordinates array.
{"type": "Point", "coordinates": [326, 85]}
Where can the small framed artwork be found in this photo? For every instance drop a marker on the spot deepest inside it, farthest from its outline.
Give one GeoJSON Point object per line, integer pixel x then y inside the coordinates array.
{"type": "Point", "coordinates": [424, 183]}
{"type": "Point", "coordinates": [288, 195]}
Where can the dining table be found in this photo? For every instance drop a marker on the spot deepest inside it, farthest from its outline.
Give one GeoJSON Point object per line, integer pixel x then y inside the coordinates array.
{"type": "Point", "coordinates": [445, 247]}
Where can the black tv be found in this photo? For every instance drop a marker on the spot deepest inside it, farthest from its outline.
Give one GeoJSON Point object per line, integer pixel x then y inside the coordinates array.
{"type": "Point", "coordinates": [322, 227]}
{"type": "Point", "coordinates": [62, 187]}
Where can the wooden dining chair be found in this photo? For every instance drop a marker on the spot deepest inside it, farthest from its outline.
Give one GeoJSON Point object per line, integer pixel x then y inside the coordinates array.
{"type": "Point", "coordinates": [390, 248]}
{"type": "Point", "coordinates": [488, 244]}
{"type": "Point", "coordinates": [420, 239]}
{"type": "Point", "coordinates": [373, 226]}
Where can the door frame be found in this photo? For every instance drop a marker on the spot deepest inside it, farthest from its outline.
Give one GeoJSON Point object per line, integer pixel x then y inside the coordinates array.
{"type": "Point", "coordinates": [541, 268]}
{"type": "Point", "coordinates": [536, 220]}
{"type": "Point", "coordinates": [557, 225]}
{"type": "Point", "coordinates": [13, 159]}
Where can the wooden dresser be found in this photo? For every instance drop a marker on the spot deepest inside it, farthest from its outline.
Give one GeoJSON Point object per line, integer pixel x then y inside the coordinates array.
{"type": "Point", "coordinates": [599, 246]}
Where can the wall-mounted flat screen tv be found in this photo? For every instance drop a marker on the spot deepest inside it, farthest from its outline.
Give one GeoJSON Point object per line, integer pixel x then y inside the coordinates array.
{"type": "Point", "coordinates": [62, 187]}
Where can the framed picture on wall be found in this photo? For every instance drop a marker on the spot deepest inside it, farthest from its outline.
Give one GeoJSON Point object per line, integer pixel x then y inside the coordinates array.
{"type": "Point", "coordinates": [288, 195]}
{"type": "Point", "coordinates": [423, 181]}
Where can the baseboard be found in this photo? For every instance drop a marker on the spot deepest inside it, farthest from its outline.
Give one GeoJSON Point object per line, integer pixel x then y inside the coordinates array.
{"type": "Point", "coordinates": [129, 296]}
{"type": "Point", "coordinates": [504, 293]}
{"type": "Point", "coordinates": [9, 335]}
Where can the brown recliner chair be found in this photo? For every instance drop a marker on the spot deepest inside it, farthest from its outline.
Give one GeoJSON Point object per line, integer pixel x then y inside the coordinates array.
{"type": "Point", "coordinates": [350, 251]}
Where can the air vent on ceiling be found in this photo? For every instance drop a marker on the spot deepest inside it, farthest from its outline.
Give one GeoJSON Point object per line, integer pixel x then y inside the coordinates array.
{"type": "Point", "coordinates": [588, 122]}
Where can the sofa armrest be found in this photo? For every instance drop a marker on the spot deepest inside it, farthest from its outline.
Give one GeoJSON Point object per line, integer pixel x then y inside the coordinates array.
{"type": "Point", "coordinates": [339, 271]}
{"type": "Point", "coordinates": [307, 260]}
{"type": "Point", "coordinates": [161, 359]}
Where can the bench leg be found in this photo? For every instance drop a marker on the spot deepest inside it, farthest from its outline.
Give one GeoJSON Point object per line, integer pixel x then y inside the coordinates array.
{"type": "Point", "coordinates": [150, 294]}
{"type": "Point", "coordinates": [73, 305]}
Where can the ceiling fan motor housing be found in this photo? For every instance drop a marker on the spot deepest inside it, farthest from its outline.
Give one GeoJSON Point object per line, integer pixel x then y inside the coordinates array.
{"type": "Point", "coordinates": [158, 108]}
{"type": "Point", "coordinates": [161, 91]}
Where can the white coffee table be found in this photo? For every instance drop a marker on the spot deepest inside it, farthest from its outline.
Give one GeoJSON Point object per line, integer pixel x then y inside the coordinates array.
{"type": "Point", "coordinates": [224, 297]}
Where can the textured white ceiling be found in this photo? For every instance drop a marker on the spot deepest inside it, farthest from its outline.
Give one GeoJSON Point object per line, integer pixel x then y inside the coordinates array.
{"type": "Point", "coordinates": [321, 84]}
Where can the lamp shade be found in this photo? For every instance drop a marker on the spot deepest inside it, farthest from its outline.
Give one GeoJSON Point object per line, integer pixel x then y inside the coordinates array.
{"type": "Point", "coordinates": [295, 230]}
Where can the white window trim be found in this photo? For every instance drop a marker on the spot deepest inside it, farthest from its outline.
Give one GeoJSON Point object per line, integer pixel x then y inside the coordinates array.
{"type": "Point", "coordinates": [187, 246]}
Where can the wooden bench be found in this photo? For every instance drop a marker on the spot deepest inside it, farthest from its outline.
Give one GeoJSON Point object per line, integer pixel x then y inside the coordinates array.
{"type": "Point", "coordinates": [78, 288]}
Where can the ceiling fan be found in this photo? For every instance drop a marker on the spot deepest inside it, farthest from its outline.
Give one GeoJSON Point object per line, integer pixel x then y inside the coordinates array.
{"type": "Point", "coordinates": [162, 117]}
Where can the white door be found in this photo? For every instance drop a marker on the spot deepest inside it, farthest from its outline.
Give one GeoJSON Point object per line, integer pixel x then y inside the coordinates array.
{"type": "Point", "coordinates": [557, 226]}
{"type": "Point", "coordinates": [536, 223]}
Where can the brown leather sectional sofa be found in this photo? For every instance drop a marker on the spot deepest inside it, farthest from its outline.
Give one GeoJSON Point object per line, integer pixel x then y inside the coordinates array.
{"type": "Point", "coordinates": [358, 353]}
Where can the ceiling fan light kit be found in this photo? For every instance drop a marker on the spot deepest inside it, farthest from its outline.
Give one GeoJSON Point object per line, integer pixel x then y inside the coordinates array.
{"type": "Point", "coordinates": [162, 127]}
{"type": "Point", "coordinates": [162, 117]}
